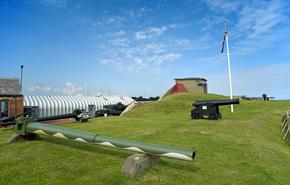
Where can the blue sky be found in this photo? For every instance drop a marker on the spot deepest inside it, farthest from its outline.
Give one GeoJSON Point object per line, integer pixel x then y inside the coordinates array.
{"type": "Point", "coordinates": [135, 47]}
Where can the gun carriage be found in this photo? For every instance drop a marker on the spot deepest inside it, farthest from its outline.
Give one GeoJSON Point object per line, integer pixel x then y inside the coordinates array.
{"type": "Point", "coordinates": [210, 108]}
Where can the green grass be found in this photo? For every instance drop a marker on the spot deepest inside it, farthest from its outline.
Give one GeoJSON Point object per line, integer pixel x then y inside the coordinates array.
{"type": "Point", "coordinates": [244, 147]}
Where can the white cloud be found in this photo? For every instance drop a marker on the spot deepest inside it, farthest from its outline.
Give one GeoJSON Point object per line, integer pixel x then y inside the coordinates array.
{"type": "Point", "coordinates": [39, 88]}
{"type": "Point", "coordinates": [138, 12]}
{"type": "Point", "coordinates": [153, 64]}
{"type": "Point", "coordinates": [182, 41]}
{"type": "Point", "coordinates": [68, 89]}
{"type": "Point", "coordinates": [120, 42]}
{"type": "Point", "coordinates": [273, 79]}
{"type": "Point", "coordinates": [213, 60]}
{"type": "Point", "coordinates": [138, 61]}
{"type": "Point", "coordinates": [176, 25]}
{"type": "Point", "coordinates": [72, 89]}
{"type": "Point", "coordinates": [140, 35]}
{"type": "Point", "coordinates": [223, 5]}
{"type": "Point", "coordinates": [127, 52]}
{"type": "Point", "coordinates": [107, 61]}
{"type": "Point", "coordinates": [153, 48]}
{"type": "Point", "coordinates": [111, 20]}
{"type": "Point", "coordinates": [202, 43]}
{"type": "Point", "coordinates": [55, 4]}
{"type": "Point", "coordinates": [211, 22]}
{"type": "Point", "coordinates": [259, 22]}
{"type": "Point", "coordinates": [120, 33]}
{"type": "Point", "coordinates": [157, 31]}
{"type": "Point", "coordinates": [150, 32]}
{"type": "Point", "coordinates": [170, 57]}
{"type": "Point", "coordinates": [259, 17]}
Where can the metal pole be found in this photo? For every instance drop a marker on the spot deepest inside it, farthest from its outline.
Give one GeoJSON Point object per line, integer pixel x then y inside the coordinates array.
{"type": "Point", "coordinates": [229, 66]}
{"type": "Point", "coordinates": [0, 68]}
{"type": "Point", "coordinates": [21, 78]}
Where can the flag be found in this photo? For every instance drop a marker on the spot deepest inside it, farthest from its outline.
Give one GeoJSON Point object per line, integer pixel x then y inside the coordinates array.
{"type": "Point", "coordinates": [225, 35]}
{"type": "Point", "coordinates": [223, 45]}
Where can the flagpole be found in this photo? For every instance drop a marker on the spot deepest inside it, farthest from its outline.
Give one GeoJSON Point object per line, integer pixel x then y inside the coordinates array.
{"type": "Point", "coordinates": [229, 66]}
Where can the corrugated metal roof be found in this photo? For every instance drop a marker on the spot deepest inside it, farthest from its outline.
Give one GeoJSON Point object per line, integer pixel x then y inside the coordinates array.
{"type": "Point", "coordinates": [9, 86]}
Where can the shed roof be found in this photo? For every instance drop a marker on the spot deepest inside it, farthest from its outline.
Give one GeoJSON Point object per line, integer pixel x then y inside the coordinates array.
{"type": "Point", "coordinates": [9, 86]}
{"type": "Point", "coordinates": [191, 78]}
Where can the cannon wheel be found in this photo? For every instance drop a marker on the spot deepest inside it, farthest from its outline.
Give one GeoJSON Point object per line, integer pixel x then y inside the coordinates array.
{"type": "Point", "coordinates": [213, 117]}
{"type": "Point", "coordinates": [195, 116]}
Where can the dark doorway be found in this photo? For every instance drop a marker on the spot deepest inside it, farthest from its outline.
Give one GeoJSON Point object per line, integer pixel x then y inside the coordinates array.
{"type": "Point", "coordinates": [4, 108]}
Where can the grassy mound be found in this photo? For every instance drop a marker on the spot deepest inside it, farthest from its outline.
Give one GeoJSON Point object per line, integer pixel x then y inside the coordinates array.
{"type": "Point", "coordinates": [244, 147]}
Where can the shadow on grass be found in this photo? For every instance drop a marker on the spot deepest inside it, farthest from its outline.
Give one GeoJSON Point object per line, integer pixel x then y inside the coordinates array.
{"type": "Point", "coordinates": [182, 165]}
{"type": "Point", "coordinates": [121, 154]}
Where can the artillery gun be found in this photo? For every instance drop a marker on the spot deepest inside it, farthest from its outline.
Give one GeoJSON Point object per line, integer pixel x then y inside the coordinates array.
{"type": "Point", "coordinates": [141, 98]}
{"type": "Point", "coordinates": [210, 108]}
{"type": "Point", "coordinates": [77, 114]}
{"type": "Point", "coordinates": [114, 110]}
{"type": "Point", "coordinates": [27, 128]}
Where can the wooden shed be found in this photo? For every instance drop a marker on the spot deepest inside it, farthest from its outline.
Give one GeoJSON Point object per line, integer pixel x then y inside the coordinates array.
{"type": "Point", "coordinates": [11, 99]}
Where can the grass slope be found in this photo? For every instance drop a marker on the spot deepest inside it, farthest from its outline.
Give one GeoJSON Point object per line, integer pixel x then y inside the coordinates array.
{"type": "Point", "coordinates": [243, 148]}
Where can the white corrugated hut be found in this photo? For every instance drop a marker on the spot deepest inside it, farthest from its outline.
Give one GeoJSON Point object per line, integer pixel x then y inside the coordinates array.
{"type": "Point", "coordinates": [58, 105]}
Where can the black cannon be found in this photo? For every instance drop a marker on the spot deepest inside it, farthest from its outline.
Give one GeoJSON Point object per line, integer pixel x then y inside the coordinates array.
{"type": "Point", "coordinates": [111, 110]}
{"type": "Point", "coordinates": [210, 108]}
{"type": "Point", "coordinates": [141, 98]}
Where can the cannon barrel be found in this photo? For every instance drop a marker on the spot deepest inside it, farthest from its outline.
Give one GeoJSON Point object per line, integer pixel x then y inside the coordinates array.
{"type": "Point", "coordinates": [27, 128]}
{"type": "Point", "coordinates": [63, 116]}
{"type": "Point", "coordinates": [216, 102]}
{"type": "Point", "coordinates": [7, 121]}
{"type": "Point", "coordinates": [5, 124]}
{"type": "Point", "coordinates": [118, 106]}
{"type": "Point", "coordinates": [12, 121]}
